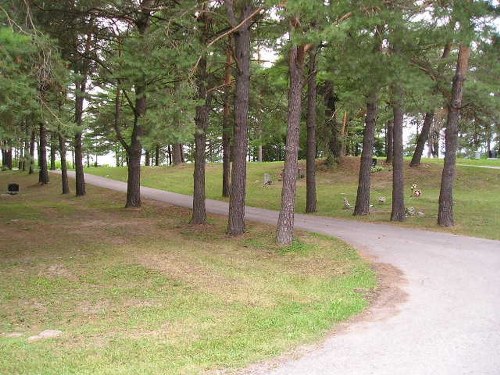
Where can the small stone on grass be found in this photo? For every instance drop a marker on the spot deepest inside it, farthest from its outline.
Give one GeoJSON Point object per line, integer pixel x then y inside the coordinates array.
{"type": "Point", "coordinates": [47, 334]}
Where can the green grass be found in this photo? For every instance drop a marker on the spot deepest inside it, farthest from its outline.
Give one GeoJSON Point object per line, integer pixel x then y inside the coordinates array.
{"type": "Point", "coordinates": [474, 162]}
{"type": "Point", "coordinates": [476, 193]}
{"type": "Point", "coordinates": [142, 291]}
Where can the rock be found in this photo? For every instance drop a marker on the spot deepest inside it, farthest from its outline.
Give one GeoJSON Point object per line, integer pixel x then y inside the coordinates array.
{"type": "Point", "coordinates": [420, 214]}
{"type": "Point", "coordinates": [47, 334]}
{"type": "Point", "coordinates": [381, 200]}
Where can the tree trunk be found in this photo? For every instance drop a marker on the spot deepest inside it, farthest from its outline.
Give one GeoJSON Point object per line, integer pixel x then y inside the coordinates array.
{"type": "Point", "coordinates": [311, 134]}
{"type": "Point", "coordinates": [79, 174]}
{"type": "Point", "coordinates": [26, 154]}
{"type": "Point", "coordinates": [134, 168]}
{"type": "Point", "coordinates": [200, 139]}
{"type": "Point", "coordinates": [64, 167]}
{"type": "Point", "coordinates": [43, 175]}
{"type": "Point", "coordinates": [157, 155]}
{"type": "Point", "coordinates": [169, 154]}
{"type": "Point", "coordinates": [53, 150]}
{"type": "Point", "coordinates": [422, 138]}
{"type": "Point", "coordinates": [398, 200]}
{"type": "Point", "coordinates": [227, 125]}
{"type": "Point", "coordinates": [242, 37]}
{"type": "Point", "coordinates": [32, 152]}
{"type": "Point", "coordinates": [147, 159]}
{"type": "Point", "coordinates": [335, 136]}
{"type": "Point", "coordinates": [7, 158]}
{"type": "Point", "coordinates": [21, 160]}
{"type": "Point", "coordinates": [445, 213]}
{"type": "Point", "coordinates": [78, 146]}
{"type": "Point", "coordinates": [286, 216]}
{"type": "Point", "coordinates": [134, 151]}
{"type": "Point", "coordinates": [177, 154]}
{"type": "Point", "coordinates": [389, 140]}
{"type": "Point", "coordinates": [363, 195]}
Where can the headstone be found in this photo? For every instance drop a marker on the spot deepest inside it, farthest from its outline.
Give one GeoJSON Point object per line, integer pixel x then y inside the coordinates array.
{"type": "Point", "coordinates": [347, 205]}
{"type": "Point", "coordinates": [410, 211]}
{"type": "Point", "coordinates": [13, 189]}
{"type": "Point", "coordinates": [300, 173]}
{"type": "Point", "coordinates": [267, 179]}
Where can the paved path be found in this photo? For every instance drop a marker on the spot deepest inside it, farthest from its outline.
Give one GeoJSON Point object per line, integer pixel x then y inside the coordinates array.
{"type": "Point", "coordinates": [449, 323]}
{"type": "Point", "coordinates": [479, 166]}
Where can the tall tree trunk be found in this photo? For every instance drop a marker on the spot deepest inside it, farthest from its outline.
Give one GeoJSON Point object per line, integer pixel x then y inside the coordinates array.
{"type": "Point", "coordinates": [78, 144]}
{"type": "Point", "coordinates": [64, 166]}
{"type": "Point", "coordinates": [7, 158]}
{"type": "Point", "coordinates": [242, 37]}
{"type": "Point", "coordinates": [286, 216]}
{"type": "Point", "coordinates": [26, 155]}
{"type": "Point", "coordinates": [335, 129]}
{"type": "Point", "coordinates": [157, 155]}
{"type": "Point", "coordinates": [425, 134]}
{"type": "Point", "coordinates": [32, 152]}
{"type": "Point", "coordinates": [20, 161]}
{"type": "Point", "coordinates": [134, 151]}
{"type": "Point", "coordinates": [53, 150]}
{"type": "Point", "coordinates": [311, 133]}
{"type": "Point", "coordinates": [445, 213]}
{"type": "Point", "coordinates": [200, 138]}
{"type": "Point", "coordinates": [362, 206]}
{"type": "Point", "coordinates": [199, 215]}
{"type": "Point", "coordinates": [81, 88]}
{"type": "Point", "coordinates": [169, 154]}
{"type": "Point", "coordinates": [422, 138]}
{"type": "Point", "coordinates": [147, 158]}
{"type": "Point", "coordinates": [389, 140]}
{"type": "Point", "coordinates": [78, 162]}
{"type": "Point", "coordinates": [398, 200]}
{"type": "Point", "coordinates": [177, 154]}
{"type": "Point", "coordinates": [43, 175]}
{"type": "Point", "coordinates": [227, 124]}
{"type": "Point", "coordinates": [134, 165]}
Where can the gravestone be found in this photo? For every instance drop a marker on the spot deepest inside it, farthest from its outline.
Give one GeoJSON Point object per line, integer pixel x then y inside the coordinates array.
{"type": "Point", "coordinates": [13, 189]}
{"type": "Point", "coordinates": [267, 179]}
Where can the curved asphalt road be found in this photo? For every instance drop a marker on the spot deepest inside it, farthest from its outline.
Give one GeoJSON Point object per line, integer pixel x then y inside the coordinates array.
{"type": "Point", "coordinates": [449, 323]}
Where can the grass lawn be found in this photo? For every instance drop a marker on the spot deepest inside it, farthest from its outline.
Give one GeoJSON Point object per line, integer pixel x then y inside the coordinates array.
{"type": "Point", "coordinates": [476, 193]}
{"type": "Point", "coordinates": [143, 292]}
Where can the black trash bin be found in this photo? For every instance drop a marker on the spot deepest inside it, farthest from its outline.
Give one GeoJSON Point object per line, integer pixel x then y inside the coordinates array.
{"type": "Point", "coordinates": [13, 189]}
